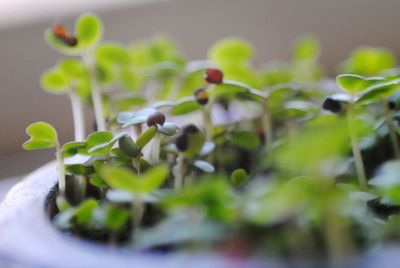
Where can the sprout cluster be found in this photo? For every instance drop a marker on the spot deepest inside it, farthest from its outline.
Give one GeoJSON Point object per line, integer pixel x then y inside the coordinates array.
{"type": "Point", "coordinates": [216, 154]}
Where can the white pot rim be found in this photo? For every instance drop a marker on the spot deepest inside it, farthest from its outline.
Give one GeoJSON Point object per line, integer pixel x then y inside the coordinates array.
{"type": "Point", "coordinates": [28, 238]}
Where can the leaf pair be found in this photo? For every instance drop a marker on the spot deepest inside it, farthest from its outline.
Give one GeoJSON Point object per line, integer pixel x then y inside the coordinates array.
{"type": "Point", "coordinates": [88, 30]}
{"type": "Point", "coordinates": [124, 179]}
{"type": "Point", "coordinates": [42, 136]}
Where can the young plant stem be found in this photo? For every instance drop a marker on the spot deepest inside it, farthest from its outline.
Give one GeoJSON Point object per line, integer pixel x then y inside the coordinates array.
{"type": "Point", "coordinates": [137, 212]}
{"type": "Point", "coordinates": [179, 173]}
{"type": "Point", "coordinates": [60, 170]}
{"type": "Point", "coordinates": [362, 179]}
{"type": "Point", "coordinates": [96, 93]}
{"type": "Point", "coordinates": [78, 117]}
{"type": "Point", "coordinates": [208, 127]}
{"type": "Point", "coordinates": [392, 130]}
{"type": "Point", "coordinates": [267, 126]}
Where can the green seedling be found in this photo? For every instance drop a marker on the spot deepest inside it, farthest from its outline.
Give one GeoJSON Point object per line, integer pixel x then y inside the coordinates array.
{"type": "Point", "coordinates": [269, 173]}
{"type": "Point", "coordinates": [89, 33]}
{"type": "Point", "coordinates": [123, 179]}
{"type": "Point", "coordinates": [69, 77]}
{"type": "Point", "coordinates": [44, 136]}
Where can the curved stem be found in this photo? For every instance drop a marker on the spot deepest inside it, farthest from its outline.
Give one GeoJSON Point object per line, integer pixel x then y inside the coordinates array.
{"type": "Point", "coordinates": [96, 93]}
{"type": "Point", "coordinates": [392, 130]}
{"type": "Point", "coordinates": [78, 116]}
{"type": "Point", "coordinates": [356, 150]}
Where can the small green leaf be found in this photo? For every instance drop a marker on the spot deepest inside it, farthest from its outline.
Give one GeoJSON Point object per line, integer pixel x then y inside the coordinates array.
{"type": "Point", "coordinates": [168, 129]}
{"type": "Point", "coordinates": [204, 166]}
{"type": "Point", "coordinates": [355, 84]}
{"type": "Point", "coordinates": [245, 139]}
{"type": "Point", "coordinates": [146, 137]}
{"type": "Point", "coordinates": [128, 146]}
{"type": "Point", "coordinates": [43, 135]}
{"type": "Point", "coordinates": [54, 82]}
{"type": "Point", "coordinates": [71, 68]}
{"type": "Point", "coordinates": [113, 53]}
{"type": "Point", "coordinates": [124, 179]}
{"type": "Point", "coordinates": [100, 143]}
{"type": "Point", "coordinates": [239, 177]}
{"type": "Point", "coordinates": [72, 148]}
{"type": "Point", "coordinates": [306, 49]}
{"type": "Point", "coordinates": [116, 217]}
{"type": "Point", "coordinates": [89, 30]}
{"type": "Point", "coordinates": [186, 106]}
{"type": "Point", "coordinates": [85, 211]}
{"type": "Point", "coordinates": [369, 61]}
{"type": "Point", "coordinates": [79, 169]}
{"type": "Point", "coordinates": [98, 182]}
{"type": "Point", "coordinates": [230, 49]}
{"type": "Point", "coordinates": [378, 92]}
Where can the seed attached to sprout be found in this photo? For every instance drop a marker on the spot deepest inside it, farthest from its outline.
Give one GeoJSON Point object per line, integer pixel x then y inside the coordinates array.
{"type": "Point", "coordinates": [59, 31]}
{"type": "Point", "coordinates": [332, 105]}
{"type": "Point", "coordinates": [190, 129]}
{"type": "Point", "coordinates": [201, 96]}
{"type": "Point", "coordinates": [181, 142]}
{"type": "Point", "coordinates": [156, 118]}
{"type": "Point", "coordinates": [214, 76]}
{"type": "Point", "coordinates": [71, 41]}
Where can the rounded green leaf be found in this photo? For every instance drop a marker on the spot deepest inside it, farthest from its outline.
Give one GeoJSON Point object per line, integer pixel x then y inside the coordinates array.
{"type": "Point", "coordinates": [245, 139]}
{"type": "Point", "coordinates": [116, 217]}
{"type": "Point", "coordinates": [350, 82]}
{"type": "Point", "coordinates": [121, 178]}
{"type": "Point", "coordinates": [113, 53]}
{"type": "Point", "coordinates": [230, 49]}
{"type": "Point", "coordinates": [85, 210]}
{"type": "Point", "coordinates": [71, 68]}
{"type": "Point", "coordinates": [89, 30]}
{"type": "Point", "coordinates": [54, 82]}
{"type": "Point", "coordinates": [369, 61]}
{"type": "Point", "coordinates": [185, 106]}
{"type": "Point", "coordinates": [72, 148]}
{"type": "Point", "coordinates": [43, 135]}
{"type": "Point", "coordinates": [239, 177]}
{"type": "Point", "coordinates": [355, 84]}
{"type": "Point", "coordinates": [378, 92]}
{"type": "Point", "coordinates": [306, 49]}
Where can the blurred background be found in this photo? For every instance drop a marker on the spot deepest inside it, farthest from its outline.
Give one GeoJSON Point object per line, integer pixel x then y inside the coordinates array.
{"type": "Point", "coordinates": [270, 25]}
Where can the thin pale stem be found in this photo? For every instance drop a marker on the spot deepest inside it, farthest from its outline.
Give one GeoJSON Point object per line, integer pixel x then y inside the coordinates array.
{"type": "Point", "coordinates": [179, 173]}
{"type": "Point", "coordinates": [78, 116]}
{"type": "Point", "coordinates": [208, 127]}
{"type": "Point", "coordinates": [96, 93]}
{"type": "Point", "coordinates": [356, 150]}
{"type": "Point", "coordinates": [392, 130]}
{"type": "Point", "coordinates": [137, 212]}
{"type": "Point", "coordinates": [267, 126]}
{"type": "Point", "coordinates": [60, 170]}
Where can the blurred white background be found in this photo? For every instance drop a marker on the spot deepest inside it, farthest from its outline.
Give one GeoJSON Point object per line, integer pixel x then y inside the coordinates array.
{"type": "Point", "coordinates": [271, 25]}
